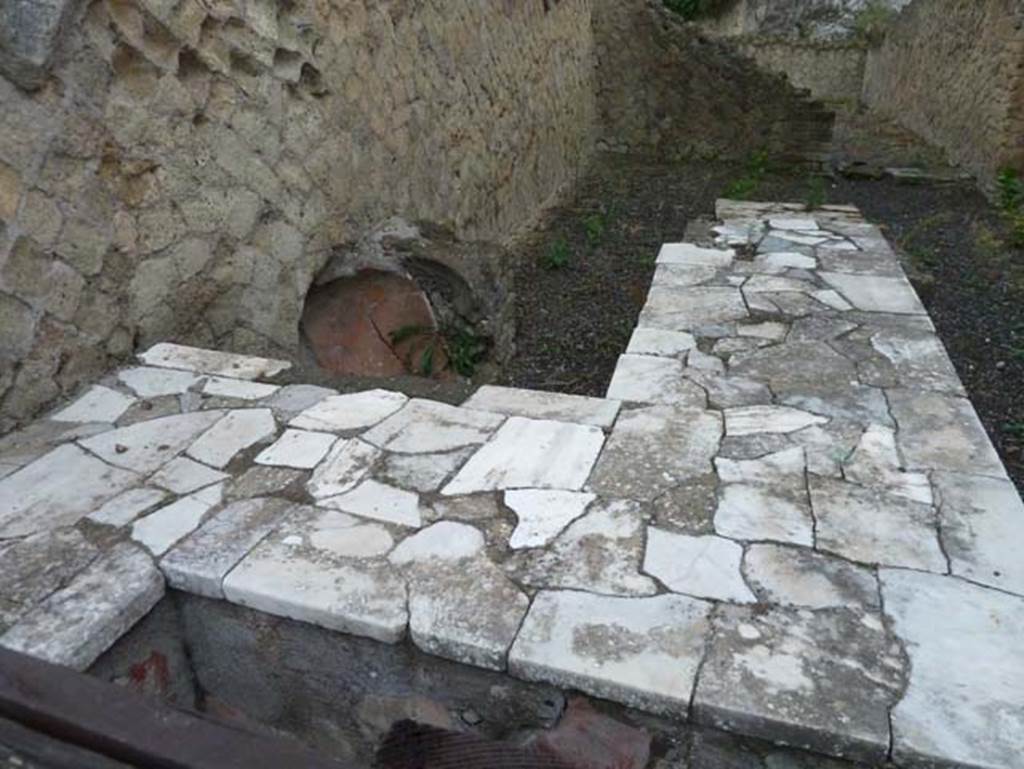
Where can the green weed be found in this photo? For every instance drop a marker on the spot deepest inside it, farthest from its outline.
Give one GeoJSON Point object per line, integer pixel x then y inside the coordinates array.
{"type": "Point", "coordinates": [1011, 200]}
{"type": "Point", "coordinates": [754, 173]}
{"type": "Point", "coordinates": [817, 193]}
{"type": "Point", "coordinates": [466, 350]}
{"type": "Point", "coordinates": [1011, 190]}
{"type": "Point", "coordinates": [557, 256]}
{"type": "Point", "coordinates": [463, 349]}
{"type": "Point", "coordinates": [595, 227]}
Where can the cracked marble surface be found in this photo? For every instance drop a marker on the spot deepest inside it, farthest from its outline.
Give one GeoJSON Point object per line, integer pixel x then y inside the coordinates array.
{"type": "Point", "coordinates": [785, 520]}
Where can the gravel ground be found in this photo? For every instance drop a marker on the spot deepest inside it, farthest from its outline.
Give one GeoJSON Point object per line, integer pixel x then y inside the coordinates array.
{"type": "Point", "coordinates": [573, 321]}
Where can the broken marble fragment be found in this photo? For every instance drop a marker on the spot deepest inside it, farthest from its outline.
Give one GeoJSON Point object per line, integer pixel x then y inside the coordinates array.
{"type": "Point", "coordinates": [751, 420]}
{"type": "Point", "coordinates": [534, 404]}
{"type": "Point", "coordinates": [875, 462]}
{"type": "Point", "coordinates": [300, 449]}
{"type": "Point", "coordinates": [982, 529]}
{"type": "Point", "coordinates": [776, 673]}
{"type": "Point", "coordinates": [147, 446]}
{"type": "Point", "coordinates": [162, 528]}
{"type": "Point", "coordinates": [650, 379]}
{"type": "Point", "coordinates": [964, 704]}
{"type": "Point", "coordinates": [79, 622]}
{"type": "Point", "coordinates": [427, 427]}
{"type": "Point", "coordinates": [98, 404]}
{"type": "Point", "coordinates": [344, 466]}
{"type": "Point", "coordinates": [237, 431]}
{"type": "Point", "coordinates": [354, 411]}
{"type": "Point", "coordinates": [372, 499]}
{"type": "Point", "coordinates": [175, 356]}
{"type": "Point", "coordinates": [58, 489]}
{"type": "Point", "coordinates": [531, 453]}
{"type": "Point", "coordinates": [600, 552]}
{"type": "Point", "coordinates": [543, 514]}
{"type": "Point", "coordinates": [798, 576]}
{"type": "Point", "coordinates": [641, 652]}
{"type": "Point", "coordinates": [653, 449]}
{"type": "Point", "coordinates": [701, 566]}
{"type": "Point", "coordinates": [872, 526]}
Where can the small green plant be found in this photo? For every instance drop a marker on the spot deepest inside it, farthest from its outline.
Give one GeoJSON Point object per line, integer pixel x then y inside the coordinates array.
{"type": "Point", "coordinates": [817, 193]}
{"type": "Point", "coordinates": [1015, 429]}
{"type": "Point", "coordinates": [754, 173]}
{"type": "Point", "coordinates": [694, 9]}
{"type": "Point", "coordinates": [595, 226]}
{"type": "Point", "coordinates": [1011, 190]}
{"type": "Point", "coordinates": [466, 350]}
{"type": "Point", "coordinates": [873, 20]}
{"type": "Point", "coordinates": [557, 256]}
{"type": "Point", "coordinates": [463, 349]}
{"type": "Point", "coordinates": [1016, 222]}
{"type": "Point", "coordinates": [1011, 199]}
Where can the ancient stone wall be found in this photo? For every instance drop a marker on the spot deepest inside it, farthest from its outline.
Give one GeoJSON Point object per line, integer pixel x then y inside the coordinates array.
{"type": "Point", "coordinates": [185, 168]}
{"type": "Point", "coordinates": [663, 86]}
{"type": "Point", "coordinates": [952, 71]}
{"type": "Point", "coordinates": [831, 71]}
{"type": "Point", "coordinates": [802, 19]}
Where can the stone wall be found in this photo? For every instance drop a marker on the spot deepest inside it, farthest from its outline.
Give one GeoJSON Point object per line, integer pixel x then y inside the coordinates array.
{"type": "Point", "coordinates": [952, 71]}
{"type": "Point", "coordinates": [186, 168]}
{"type": "Point", "coordinates": [663, 86]}
{"type": "Point", "coordinates": [797, 19]}
{"type": "Point", "coordinates": [831, 71]}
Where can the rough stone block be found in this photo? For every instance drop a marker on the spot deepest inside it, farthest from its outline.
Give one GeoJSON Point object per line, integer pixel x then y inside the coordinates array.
{"type": "Point", "coordinates": [29, 34]}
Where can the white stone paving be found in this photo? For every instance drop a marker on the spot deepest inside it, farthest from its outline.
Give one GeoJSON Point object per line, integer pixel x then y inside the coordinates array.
{"type": "Point", "coordinates": [353, 411]}
{"type": "Point", "coordinates": [234, 433]}
{"type": "Point", "coordinates": [543, 514]}
{"type": "Point", "coordinates": [533, 404]}
{"type": "Point", "coordinates": [98, 404]}
{"type": "Point", "coordinates": [783, 430]}
{"type": "Point", "coordinates": [643, 652]}
{"type": "Point", "coordinates": [301, 449]}
{"type": "Point", "coordinates": [531, 453]}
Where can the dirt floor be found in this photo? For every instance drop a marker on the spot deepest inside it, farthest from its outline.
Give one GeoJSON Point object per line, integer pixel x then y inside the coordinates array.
{"type": "Point", "coordinates": [583, 276]}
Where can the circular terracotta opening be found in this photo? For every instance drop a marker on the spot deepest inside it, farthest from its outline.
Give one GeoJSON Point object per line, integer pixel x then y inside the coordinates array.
{"type": "Point", "coordinates": [374, 324]}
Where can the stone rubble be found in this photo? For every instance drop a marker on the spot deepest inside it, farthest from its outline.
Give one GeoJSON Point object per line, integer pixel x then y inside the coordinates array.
{"type": "Point", "coordinates": [786, 520]}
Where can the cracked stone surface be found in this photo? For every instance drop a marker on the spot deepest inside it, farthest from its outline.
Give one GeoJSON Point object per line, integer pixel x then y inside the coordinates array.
{"type": "Point", "coordinates": [643, 652]}
{"type": "Point", "coordinates": [822, 680]}
{"type": "Point", "coordinates": [649, 379]}
{"type": "Point", "coordinates": [795, 526]}
{"type": "Point", "coordinates": [964, 704]}
{"type": "Point", "coordinates": [871, 526]}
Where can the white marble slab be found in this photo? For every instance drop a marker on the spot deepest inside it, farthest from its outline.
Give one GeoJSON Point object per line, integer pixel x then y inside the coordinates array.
{"type": "Point", "coordinates": [162, 528]}
{"type": "Point", "coordinates": [531, 453]}
{"type": "Point", "coordinates": [426, 427]}
{"type": "Point", "coordinates": [543, 514]}
{"type": "Point", "coordinates": [353, 411]}
{"type": "Point", "coordinates": [98, 404]}
{"type": "Point", "coordinates": [534, 404]}
{"type": "Point", "coordinates": [146, 446]}
{"type": "Point", "coordinates": [183, 476]}
{"type": "Point", "coordinates": [58, 489]}
{"type": "Point", "coordinates": [237, 431]}
{"type": "Point", "coordinates": [151, 382]}
{"type": "Point", "coordinates": [964, 705]}
{"type": "Point", "coordinates": [176, 356]}
{"type": "Point", "coordinates": [701, 566]}
{"type": "Point", "coordinates": [300, 449]}
{"type": "Point", "coordinates": [613, 648]}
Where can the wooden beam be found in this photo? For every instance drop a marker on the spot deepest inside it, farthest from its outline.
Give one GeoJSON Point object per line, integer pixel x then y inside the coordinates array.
{"type": "Point", "coordinates": [119, 724]}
